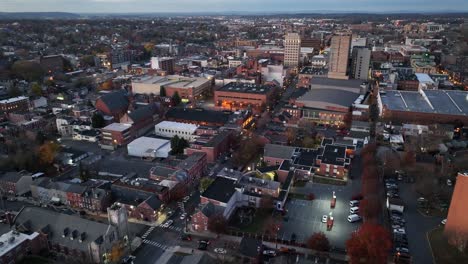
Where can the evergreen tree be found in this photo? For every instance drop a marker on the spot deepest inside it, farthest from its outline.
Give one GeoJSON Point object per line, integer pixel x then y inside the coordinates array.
{"type": "Point", "coordinates": [162, 92]}
{"type": "Point", "coordinates": [97, 120]}
{"type": "Point", "coordinates": [176, 99]}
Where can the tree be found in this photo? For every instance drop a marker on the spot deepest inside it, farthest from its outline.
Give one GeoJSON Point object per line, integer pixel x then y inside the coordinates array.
{"type": "Point", "coordinates": [162, 92]}
{"type": "Point", "coordinates": [318, 241]}
{"type": "Point", "coordinates": [84, 172]}
{"type": "Point", "coordinates": [362, 247]}
{"type": "Point", "coordinates": [28, 70]}
{"type": "Point", "coordinates": [48, 151]}
{"type": "Point", "coordinates": [14, 91]}
{"type": "Point", "coordinates": [107, 85]}
{"type": "Point", "coordinates": [308, 142]}
{"type": "Point", "coordinates": [410, 158]}
{"type": "Point", "coordinates": [217, 224]}
{"type": "Point", "coordinates": [204, 183]}
{"type": "Point", "coordinates": [370, 207]}
{"type": "Point", "coordinates": [36, 89]}
{"type": "Point", "coordinates": [178, 145]}
{"type": "Point", "coordinates": [176, 99]}
{"type": "Point", "coordinates": [97, 120]}
{"type": "Point", "coordinates": [248, 150]}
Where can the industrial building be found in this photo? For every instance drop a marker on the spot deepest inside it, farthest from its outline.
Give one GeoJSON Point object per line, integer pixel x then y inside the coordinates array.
{"type": "Point", "coordinates": [146, 147]}
{"type": "Point", "coordinates": [187, 87]}
{"type": "Point", "coordinates": [238, 95]}
{"type": "Point", "coordinates": [425, 106]}
{"type": "Point", "coordinates": [170, 129]}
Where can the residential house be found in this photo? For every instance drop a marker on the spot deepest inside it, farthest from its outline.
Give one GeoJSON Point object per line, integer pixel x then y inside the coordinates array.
{"type": "Point", "coordinates": [15, 183]}
{"type": "Point", "coordinates": [113, 104]}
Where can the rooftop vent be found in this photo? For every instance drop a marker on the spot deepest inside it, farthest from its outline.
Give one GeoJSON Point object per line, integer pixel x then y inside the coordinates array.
{"type": "Point", "coordinates": [65, 232]}
{"type": "Point", "coordinates": [82, 237]}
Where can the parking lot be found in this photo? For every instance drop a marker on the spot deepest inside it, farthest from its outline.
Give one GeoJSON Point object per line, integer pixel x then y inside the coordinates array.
{"type": "Point", "coordinates": [305, 217]}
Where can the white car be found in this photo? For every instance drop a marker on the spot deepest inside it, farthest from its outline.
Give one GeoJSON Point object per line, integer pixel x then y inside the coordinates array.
{"type": "Point", "coordinates": [271, 253]}
{"type": "Point", "coordinates": [443, 222]}
{"type": "Point", "coordinates": [182, 216]}
{"type": "Point", "coordinates": [220, 250]}
{"type": "Point", "coordinates": [168, 223]}
{"type": "Point", "coordinates": [399, 231]}
{"type": "Point", "coordinates": [449, 183]}
{"type": "Point", "coordinates": [324, 218]}
{"type": "Point", "coordinates": [186, 198]}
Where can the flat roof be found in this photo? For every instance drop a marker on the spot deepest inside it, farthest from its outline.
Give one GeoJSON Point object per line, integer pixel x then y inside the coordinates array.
{"type": "Point", "coordinates": [172, 80]}
{"type": "Point", "coordinates": [339, 97]}
{"type": "Point", "coordinates": [176, 126]}
{"type": "Point", "coordinates": [148, 142]}
{"type": "Point", "coordinates": [12, 239]}
{"type": "Point", "coordinates": [13, 99]}
{"type": "Point", "coordinates": [448, 102]}
{"type": "Point", "coordinates": [320, 82]}
{"type": "Point", "coordinates": [239, 87]}
{"type": "Point", "coordinates": [117, 127]}
{"type": "Point", "coordinates": [424, 77]}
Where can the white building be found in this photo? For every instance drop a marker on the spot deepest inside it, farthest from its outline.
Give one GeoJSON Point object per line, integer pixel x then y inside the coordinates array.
{"type": "Point", "coordinates": [64, 126]}
{"type": "Point", "coordinates": [191, 86]}
{"type": "Point", "coordinates": [146, 147]}
{"type": "Point", "coordinates": [425, 81]}
{"type": "Point", "coordinates": [170, 129]}
{"type": "Point", "coordinates": [273, 73]}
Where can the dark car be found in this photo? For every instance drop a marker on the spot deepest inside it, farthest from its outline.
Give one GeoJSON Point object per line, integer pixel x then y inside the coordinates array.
{"type": "Point", "coordinates": [186, 237]}
{"type": "Point", "coordinates": [202, 245]}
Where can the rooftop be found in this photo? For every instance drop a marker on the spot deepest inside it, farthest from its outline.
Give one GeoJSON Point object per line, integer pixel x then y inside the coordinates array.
{"type": "Point", "coordinates": [198, 115]}
{"type": "Point", "coordinates": [239, 87]}
{"type": "Point", "coordinates": [118, 127]}
{"type": "Point", "coordinates": [13, 99]}
{"type": "Point", "coordinates": [176, 126]}
{"type": "Point", "coordinates": [172, 80]}
{"type": "Point", "coordinates": [340, 98]}
{"type": "Point", "coordinates": [278, 151]}
{"type": "Point", "coordinates": [448, 102]}
{"type": "Point", "coordinates": [221, 189]}
{"type": "Point", "coordinates": [9, 241]}
{"type": "Point", "coordinates": [322, 82]}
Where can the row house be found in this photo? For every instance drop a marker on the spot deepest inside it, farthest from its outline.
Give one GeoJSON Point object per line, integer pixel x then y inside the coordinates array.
{"type": "Point", "coordinates": [15, 183]}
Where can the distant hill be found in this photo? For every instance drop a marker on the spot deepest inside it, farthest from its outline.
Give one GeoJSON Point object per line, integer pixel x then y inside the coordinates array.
{"type": "Point", "coordinates": [38, 15]}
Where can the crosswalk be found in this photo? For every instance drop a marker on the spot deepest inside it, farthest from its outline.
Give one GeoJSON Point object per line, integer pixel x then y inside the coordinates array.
{"type": "Point", "coordinates": [156, 244]}
{"type": "Point", "coordinates": [148, 232]}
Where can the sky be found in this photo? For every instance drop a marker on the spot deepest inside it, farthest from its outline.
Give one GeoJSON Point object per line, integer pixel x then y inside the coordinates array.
{"type": "Point", "coordinates": [149, 6]}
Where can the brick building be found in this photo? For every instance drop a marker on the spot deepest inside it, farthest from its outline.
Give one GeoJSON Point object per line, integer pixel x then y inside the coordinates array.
{"type": "Point", "coordinates": [456, 228]}
{"type": "Point", "coordinates": [17, 245]}
{"type": "Point", "coordinates": [15, 183]}
{"type": "Point", "coordinates": [234, 96]}
{"type": "Point", "coordinates": [15, 104]}
{"type": "Point", "coordinates": [117, 134]}
{"type": "Point", "coordinates": [113, 104]}
{"type": "Point", "coordinates": [213, 146]}
{"type": "Point", "coordinates": [198, 116]}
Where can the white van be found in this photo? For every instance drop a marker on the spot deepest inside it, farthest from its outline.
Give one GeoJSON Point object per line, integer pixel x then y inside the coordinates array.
{"type": "Point", "coordinates": [354, 218]}
{"type": "Point", "coordinates": [354, 210]}
{"type": "Point", "coordinates": [354, 203]}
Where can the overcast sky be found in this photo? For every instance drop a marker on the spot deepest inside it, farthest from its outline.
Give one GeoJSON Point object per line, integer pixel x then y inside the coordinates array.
{"type": "Point", "coordinates": [126, 6]}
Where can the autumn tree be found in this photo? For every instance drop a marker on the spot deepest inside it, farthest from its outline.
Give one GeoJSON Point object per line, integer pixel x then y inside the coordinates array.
{"type": "Point", "coordinates": [48, 151]}
{"type": "Point", "coordinates": [28, 70]}
{"type": "Point", "coordinates": [36, 89]}
{"type": "Point", "coordinates": [371, 243]}
{"type": "Point", "coordinates": [247, 151]}
{"type": "Point", "coordinates": [217, 224]}
{"type": "Point", "coordinates": [205, 182]}
{"type": "Point", "coordinates": [370, 207]}
{"type": "Point", "coordinates": [318, 241]}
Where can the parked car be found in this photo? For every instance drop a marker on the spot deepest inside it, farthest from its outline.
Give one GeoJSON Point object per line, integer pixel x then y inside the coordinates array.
{"type": "Point", "coordinates": [186, 237]}
{"type": "Point", "coordinates": [202, 246]}
{"type": "Point", "coordinates": [220, 250]}
{"type": "Point", "coordinates": [270, 253]}
{"type": "Point", "coordinates": [402, 249]}
{"type": "Point", "coordinates": [128, 259]}
{"type": "Point", "coordinates": [443, 222]}
{"type": "Point", "coordinates": [324, 218]}
{"type": "Point", "coordinates": [399, 231]}
{"type": "Point", "coordinates": [182, 216]}
{"type": "Point", "coordinates": [186, 198]}
{"type": "Point", "coordinates": [168, 223]}
{"type": "Point", "coordinates": [354, 210]}
{"type": "Point", "coordinates": [354, 218]}
{"type": "Point", "coordinates": [354, 203]}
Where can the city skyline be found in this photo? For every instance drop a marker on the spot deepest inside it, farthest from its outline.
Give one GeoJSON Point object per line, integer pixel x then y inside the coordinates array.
{"type": "Point", "coordinates": [189, 6]}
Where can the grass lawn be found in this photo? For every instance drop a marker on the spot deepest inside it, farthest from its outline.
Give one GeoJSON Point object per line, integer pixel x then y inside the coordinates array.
{"type": "Point", "coordinates": [34, 260]}
{"type": "Point", "coordinates": [258, 222]}
{"type": "Point", "coordinates": [443, 252]}
{"type": "Point", "coordinates": [328, 181]}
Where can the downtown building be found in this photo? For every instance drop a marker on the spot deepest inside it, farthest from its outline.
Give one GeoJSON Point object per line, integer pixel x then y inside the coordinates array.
{"type": "Point", "coordinates": [339, 56]}
{"type": "Point", "coordinates": [292, 49]}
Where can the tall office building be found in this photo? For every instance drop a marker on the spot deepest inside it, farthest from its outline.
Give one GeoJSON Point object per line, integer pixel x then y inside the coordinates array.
{"type": "Point", "coordinates": [360, 63]}
{"type": "Point", "coordinates": [292, 49]}
{"type": "Point", "coordinates": [339, 55]}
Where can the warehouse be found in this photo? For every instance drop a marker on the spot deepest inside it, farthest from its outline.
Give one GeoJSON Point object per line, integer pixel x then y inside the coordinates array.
{"type": "Point", "coordinates": [146, 147]}
{"type": "Point", "coordinates": [187, 87]}
{"type": "Point", "coordinates": [425, 106]}
{"type": "Point", "coordinates": [170, 129]}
